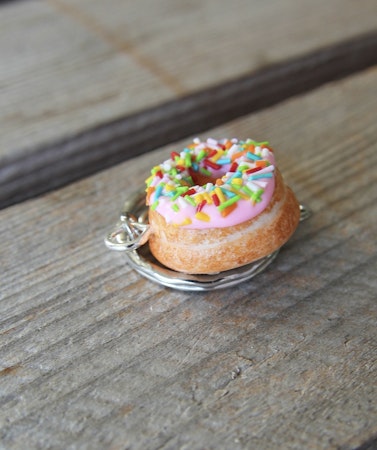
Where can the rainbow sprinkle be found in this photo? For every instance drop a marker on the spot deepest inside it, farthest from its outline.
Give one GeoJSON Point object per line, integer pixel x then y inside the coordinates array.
{"type": "Point", "coordinates": [228, 167]}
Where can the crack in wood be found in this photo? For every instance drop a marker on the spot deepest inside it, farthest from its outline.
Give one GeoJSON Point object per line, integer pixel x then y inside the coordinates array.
{"type": "Point", "coordinates": [119, 44]}
{"type": "Point", "coordinates": [73, 158]}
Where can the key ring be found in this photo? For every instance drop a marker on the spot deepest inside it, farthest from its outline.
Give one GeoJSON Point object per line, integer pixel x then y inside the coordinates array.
{"type": "Point", "coordinates": [130, 235]}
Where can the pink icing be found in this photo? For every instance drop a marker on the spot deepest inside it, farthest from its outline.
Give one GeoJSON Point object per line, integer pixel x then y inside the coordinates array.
{"type": "Point", "coordinates": [245, 209]}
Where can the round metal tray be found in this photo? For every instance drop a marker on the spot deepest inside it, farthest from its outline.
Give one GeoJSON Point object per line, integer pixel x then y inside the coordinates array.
{"type": "Point", "coordinates": [127, 236]}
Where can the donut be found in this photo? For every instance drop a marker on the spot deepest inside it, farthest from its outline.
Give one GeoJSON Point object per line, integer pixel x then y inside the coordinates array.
{"type": "Point", "coordinates": [218, 205]}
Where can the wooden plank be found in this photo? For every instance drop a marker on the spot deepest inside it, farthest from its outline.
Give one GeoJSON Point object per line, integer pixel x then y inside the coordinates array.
{"type": "Point", "coordinates": [58, 78]}
{"type": "Point", "coordinates": [202, 43]}
{"type": "Point", "coordinates": [70, 66]}
{"type": "Point", "coordinates": [42, 169]}
{"type": "Point", "coordinates": [94, 356]}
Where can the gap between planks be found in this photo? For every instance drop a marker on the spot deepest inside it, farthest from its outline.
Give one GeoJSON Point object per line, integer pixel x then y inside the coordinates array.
{"type": "Point", "coordinates": [81, 155]}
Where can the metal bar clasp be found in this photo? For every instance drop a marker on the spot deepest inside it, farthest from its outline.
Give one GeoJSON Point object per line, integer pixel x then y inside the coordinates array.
{"type": "Point", "coordinates": [128, 234]}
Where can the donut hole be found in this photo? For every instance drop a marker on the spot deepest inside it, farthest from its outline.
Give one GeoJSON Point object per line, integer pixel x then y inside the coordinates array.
{"type": "Point", "coordinates": [200, 179]}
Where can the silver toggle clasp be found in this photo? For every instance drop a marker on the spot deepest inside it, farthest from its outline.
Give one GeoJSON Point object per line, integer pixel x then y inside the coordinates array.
{"type": "Point", "coordinates": [128, 234]}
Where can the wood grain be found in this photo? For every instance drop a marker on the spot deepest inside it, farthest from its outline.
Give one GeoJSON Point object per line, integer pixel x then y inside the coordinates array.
{"type": "Point", "coordinates": [94, 356]}
{"type": "Point", "coordinates": [42, 169]}
{"type": "Point", "coordinates": [70, 66]}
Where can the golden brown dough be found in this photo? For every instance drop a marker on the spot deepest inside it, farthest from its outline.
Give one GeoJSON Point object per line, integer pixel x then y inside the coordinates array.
{"type": "Point", "coordinates": [204, 251]}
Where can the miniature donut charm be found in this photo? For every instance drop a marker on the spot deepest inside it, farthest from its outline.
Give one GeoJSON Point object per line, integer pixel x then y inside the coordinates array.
{"type": "Point", "coordinates": [218, 205]}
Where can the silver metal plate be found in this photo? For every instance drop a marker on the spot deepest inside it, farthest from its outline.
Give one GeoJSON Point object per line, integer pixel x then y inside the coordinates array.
{"type": "Point", "coordinates": [127, 236]}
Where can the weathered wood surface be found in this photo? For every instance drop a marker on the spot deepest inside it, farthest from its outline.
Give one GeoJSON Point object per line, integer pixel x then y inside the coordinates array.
{"type": "Point", "coordinates": [68, 66]}
{"type": "Point", "coordinates": [94, 356]}
{"type": "Point", "coordinates": [59, 163]}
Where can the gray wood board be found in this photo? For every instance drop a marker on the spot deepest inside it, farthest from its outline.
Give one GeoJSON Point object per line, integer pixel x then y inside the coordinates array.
{"type": "Point", "coordinates": [69, 66]}
{"type": "Point", "coordinates": [95, 356]}
{"type": "Point", "coordinates": [61, 162]}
